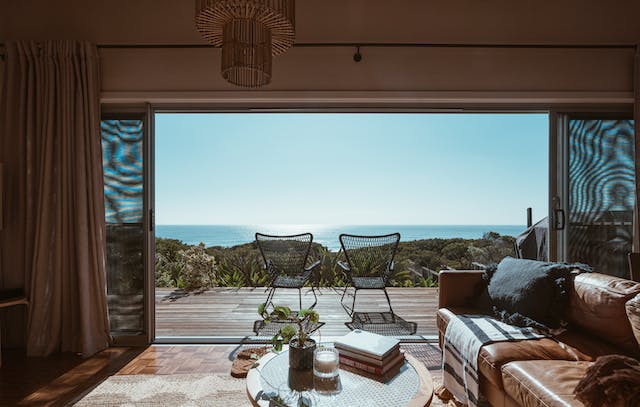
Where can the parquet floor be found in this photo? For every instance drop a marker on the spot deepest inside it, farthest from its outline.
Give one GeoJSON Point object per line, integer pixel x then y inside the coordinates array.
{"type": "Point", "coordinates": [231, 312]}
{"type": "Point", "coordinates": [63, 379]}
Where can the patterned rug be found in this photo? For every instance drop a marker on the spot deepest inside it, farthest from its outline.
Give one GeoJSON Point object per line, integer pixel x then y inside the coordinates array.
{"type": "Point", "coordinates": [208, 389]}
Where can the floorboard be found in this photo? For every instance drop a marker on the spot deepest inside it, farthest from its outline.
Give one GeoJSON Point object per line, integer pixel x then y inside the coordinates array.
{"type": "Point", "coordinates": [230, 312]}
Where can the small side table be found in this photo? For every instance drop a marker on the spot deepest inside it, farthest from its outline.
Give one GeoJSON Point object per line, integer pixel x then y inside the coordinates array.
{"type": "Point", "coordinates": [412, 387]}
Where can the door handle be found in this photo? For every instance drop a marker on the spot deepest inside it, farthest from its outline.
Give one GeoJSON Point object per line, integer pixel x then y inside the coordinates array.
{"type": "Point", "coordinates": [559, 220]}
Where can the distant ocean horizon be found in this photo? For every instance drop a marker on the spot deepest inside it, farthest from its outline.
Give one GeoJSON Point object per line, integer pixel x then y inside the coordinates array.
{"type": "Point", "coordinates": [326, 235]}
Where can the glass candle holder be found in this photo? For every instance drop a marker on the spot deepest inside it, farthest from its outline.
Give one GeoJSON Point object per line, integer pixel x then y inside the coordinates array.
{"type": "Point", "coordinates": [326, 362]}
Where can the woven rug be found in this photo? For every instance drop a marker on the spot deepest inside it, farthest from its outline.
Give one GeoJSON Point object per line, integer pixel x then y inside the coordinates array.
{"type": "Point", "coordinates": [169, 391]}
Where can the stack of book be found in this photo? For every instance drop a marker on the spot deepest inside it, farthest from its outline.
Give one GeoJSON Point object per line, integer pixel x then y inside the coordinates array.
{"type": "Point", "coordinates": [374, 356]}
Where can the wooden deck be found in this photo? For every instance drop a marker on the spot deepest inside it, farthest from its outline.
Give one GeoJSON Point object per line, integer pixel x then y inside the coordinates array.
{"type": "Point", "coordinates": [231, 312]}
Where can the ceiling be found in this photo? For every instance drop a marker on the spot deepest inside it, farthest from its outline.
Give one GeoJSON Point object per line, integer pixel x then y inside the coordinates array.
{"type": "Point", "coordinates": [327, 21]}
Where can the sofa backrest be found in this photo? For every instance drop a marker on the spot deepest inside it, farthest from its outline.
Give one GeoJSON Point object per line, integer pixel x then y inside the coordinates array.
{"type": "Point", "coordinates": [597, 304]}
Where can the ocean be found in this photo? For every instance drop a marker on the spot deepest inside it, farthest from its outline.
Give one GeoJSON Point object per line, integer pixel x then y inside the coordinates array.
{"type": "Point", "coordinates": [327, 235]}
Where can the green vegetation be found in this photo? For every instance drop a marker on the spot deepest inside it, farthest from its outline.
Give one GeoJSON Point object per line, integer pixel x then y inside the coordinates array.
{"type": "Point", "coordinates": [299, 323]}
{"type": "Point", "coordinates": [196, 267]}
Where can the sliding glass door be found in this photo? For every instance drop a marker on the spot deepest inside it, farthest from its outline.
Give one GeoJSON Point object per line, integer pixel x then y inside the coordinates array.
{"type": "Point", "coordinates": [123, 148]}
{"type": "Point", "coordinates": [593, 210]}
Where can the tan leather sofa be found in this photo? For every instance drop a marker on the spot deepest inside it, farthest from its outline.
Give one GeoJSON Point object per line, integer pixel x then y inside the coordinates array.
{"type": "Point", "coordinates": [603, 316]}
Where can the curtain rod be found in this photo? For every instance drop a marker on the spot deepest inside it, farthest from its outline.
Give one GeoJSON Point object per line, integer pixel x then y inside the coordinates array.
{"type": "Point", "coordinates": [370, 45]}
{"type": "Point", "coordinates": [384, 45]}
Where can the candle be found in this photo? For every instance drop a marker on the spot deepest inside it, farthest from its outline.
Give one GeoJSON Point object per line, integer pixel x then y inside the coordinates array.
{"type": "Point", "coordinates": [325, 363]}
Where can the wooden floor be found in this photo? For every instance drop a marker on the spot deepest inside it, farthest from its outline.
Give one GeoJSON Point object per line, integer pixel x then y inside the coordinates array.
{"type": "Point", "coordinates": [56, 380]}
{"type": "Point", "coordinates": [231, 312]}
{"type": "Point", "coordinates": [63, 379]}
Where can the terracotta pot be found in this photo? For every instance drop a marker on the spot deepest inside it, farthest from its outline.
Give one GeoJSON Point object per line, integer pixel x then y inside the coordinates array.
{"type": "Point", "coordinates": [301, 358]}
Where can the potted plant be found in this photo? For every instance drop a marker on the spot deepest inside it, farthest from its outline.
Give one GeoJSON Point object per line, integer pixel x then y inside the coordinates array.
{"type": "Point", "coordinates": [295, 332]}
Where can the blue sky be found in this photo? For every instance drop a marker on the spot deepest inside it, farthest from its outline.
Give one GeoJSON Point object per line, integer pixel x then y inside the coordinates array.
{"type": "Point", "coordinates": [321, 168]}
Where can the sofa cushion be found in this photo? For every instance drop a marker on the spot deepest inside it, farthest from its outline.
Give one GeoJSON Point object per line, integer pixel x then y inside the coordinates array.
{"type": "Point", "coordinates": [545, 383]}
{"type": "Point", "coordinates": [597, 305]}
{"type": "Point", "coordinates": [493, 356]}
{"type": "Point", "coordinates": [633, 313]}
{"type": "Point", "coordinates": [529, 292]}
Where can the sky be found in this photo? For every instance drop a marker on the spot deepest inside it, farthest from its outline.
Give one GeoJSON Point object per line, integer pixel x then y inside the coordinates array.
{"type": "Point", "coordinates": [350, 169]}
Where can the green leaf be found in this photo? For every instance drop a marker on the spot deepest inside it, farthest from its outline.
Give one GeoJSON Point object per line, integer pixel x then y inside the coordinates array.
{"type": "Point", "coordinates": [282, 312]}
{"type": "Point", "coordinates": [287, 332]}
{"type": "Point", "coordinates": [277, 342]}
{"type": "Point", "coordinates": [311, 315]}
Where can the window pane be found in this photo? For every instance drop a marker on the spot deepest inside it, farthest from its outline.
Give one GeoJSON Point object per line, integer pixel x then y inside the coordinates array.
{"type": "Point", "coordinates": [122, 147]}
{"type": "Point", "coordinates": [601, 193]}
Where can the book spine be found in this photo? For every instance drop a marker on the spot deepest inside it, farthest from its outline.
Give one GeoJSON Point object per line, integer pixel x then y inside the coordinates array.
{"type": "Point", "coordinates": [359, 365]}
{"type": "Point", "coordinates": [368, 359]}
{"type": "Point", "coordinates": [371, 367]}
{"type": "Point", "coordinates": [359, 357]}
{"type": "Point", "coordinates": [365, 353]}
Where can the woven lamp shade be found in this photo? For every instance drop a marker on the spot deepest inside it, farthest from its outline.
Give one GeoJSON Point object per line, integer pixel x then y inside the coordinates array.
{"type": "Point", "coordinates": [246, 53]}
{"type": "Point", "coordinates": [250, 32]}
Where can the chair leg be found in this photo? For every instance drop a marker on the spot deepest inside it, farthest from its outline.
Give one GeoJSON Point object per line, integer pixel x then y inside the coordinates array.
{"type": "Point", "coordinates": [315, 298]}
{"type": "Point", "coordinates": [270, 297]}
{"type": "Point", "coordinates": [388, 301]}
{"type": "Point", "coordinates": [353, 304]}
{"type": "Point", "coordinates": [344, 293]}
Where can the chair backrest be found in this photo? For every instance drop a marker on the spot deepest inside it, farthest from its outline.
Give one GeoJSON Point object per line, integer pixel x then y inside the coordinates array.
{"type": "Point", "coordinates": [369, 256]}
{"type": "Point", "coordinates": [287, 255]}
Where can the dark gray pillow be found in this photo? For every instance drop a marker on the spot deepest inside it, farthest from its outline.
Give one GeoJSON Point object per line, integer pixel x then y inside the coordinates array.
{"type": "Point", "coordinates": [529, 292]}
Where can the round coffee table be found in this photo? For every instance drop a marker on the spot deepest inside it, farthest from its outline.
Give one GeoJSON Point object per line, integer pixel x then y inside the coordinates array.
{"type": "Point", "coordinates": [411, 387]}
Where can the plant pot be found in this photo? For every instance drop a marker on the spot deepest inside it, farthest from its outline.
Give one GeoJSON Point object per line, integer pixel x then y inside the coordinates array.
{"type": "Point", "coordinates": [301, 357]}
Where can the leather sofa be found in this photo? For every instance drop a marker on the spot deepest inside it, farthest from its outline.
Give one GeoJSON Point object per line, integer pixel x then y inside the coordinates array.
{"type": "Point", "coordinates": [603, 318]}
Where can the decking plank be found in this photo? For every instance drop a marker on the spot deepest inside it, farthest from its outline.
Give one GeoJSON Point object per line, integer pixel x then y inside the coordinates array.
{"type": "Point", "coordinates": [231, 311]}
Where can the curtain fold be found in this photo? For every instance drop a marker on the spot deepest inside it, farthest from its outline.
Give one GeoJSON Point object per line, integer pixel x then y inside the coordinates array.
{"type": "Point", "coordinates": [54, 242]}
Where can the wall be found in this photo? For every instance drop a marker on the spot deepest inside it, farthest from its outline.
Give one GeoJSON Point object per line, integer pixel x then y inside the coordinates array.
{"type": "Point", "coordinates": [428, 71]}
{"type": "Point", "coordinates": [437, 74]}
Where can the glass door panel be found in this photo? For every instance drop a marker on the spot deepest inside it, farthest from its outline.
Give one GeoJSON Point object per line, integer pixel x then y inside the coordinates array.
{"type": "Point", "coordinates": [123, 164]}
{"type": "Point", "coordinates": [600, 196]}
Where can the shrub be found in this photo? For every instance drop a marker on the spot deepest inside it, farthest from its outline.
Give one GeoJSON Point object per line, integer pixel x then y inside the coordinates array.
{"type": "Point", "coordinates": [199, 267]}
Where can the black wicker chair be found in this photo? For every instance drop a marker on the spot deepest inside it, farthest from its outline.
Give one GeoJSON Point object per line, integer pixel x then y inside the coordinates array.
{"type": "Point", "coordinates": [369, 263]}
{"type": "Point", "coordinates": [285, 258]}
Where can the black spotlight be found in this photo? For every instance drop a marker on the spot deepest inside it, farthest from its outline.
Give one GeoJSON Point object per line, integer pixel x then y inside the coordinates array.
{"type": "Point", "coordinates": [357, 57]}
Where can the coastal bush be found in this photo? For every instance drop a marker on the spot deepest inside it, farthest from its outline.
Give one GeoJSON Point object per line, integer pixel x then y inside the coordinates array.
{"type": "Point", "coordinates": [168, 262]}
{"type": "Point", "coordinates": [242, 265]}
{"type": "Point", "coordinates": [198, 271]}
{"type": "Point", "coordinates": [179, 265]}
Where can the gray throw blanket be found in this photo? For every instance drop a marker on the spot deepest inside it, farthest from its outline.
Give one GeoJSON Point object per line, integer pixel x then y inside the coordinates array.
{"type": "Point", "coordinates": [464, 337]}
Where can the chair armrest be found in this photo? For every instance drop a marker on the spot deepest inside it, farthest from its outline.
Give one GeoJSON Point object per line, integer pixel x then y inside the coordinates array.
{"type": "Point", "coordinates": [344, 266]}
{"type": "Point", "coordinates": [457, 287]}
{"type": "Point", "coordinates": [314, 265]}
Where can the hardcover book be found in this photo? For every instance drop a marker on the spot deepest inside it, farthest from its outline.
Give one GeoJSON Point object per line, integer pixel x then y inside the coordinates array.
{"type": "Point", "coordinates": [369, 367]}
{"type": "Point", "coordinates": [383, 378]}
{"type": "Point", "coordinates": [367, 344]}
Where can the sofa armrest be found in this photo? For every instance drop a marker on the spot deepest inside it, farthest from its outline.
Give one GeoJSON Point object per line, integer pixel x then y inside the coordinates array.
{"type": "Point", "coordinates": [457, 287]}
{"type": "Point", "coordinates": [633, 313]}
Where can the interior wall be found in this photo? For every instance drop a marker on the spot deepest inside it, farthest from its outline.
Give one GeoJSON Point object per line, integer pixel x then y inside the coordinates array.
{"type": "Point", "coordinates": [381, 69]}
{"type": "Point", "coordinates": [472, 69]}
